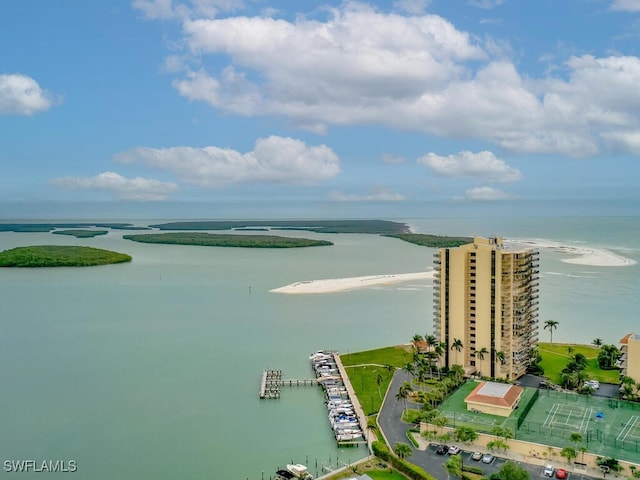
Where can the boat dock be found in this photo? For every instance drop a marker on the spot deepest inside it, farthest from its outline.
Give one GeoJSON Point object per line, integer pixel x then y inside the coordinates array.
{"type": "Point", "coordinates": [272, 381]}
{"type": "Point", "coordinates": [345, 415]}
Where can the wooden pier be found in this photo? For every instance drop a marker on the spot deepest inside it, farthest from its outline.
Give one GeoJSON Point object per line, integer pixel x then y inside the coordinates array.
{"type": "Point", "coordinates": [272, 381]}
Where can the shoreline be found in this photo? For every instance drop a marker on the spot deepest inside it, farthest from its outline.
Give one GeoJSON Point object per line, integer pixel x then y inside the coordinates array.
{"type": "Point", "coordinates": [590, 256]}
{"type": "Point", "coordinates": [333, 285]}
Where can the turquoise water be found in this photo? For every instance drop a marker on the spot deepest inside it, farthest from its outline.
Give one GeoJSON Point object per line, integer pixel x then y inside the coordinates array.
{"type": "Point", "coordinates": [151, 369]}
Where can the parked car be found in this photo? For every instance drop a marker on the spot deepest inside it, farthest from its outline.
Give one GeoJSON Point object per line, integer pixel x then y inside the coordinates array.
{"type": "Point", "coordinates": [548, 471]}
{"type": "Point", "coordinates": [477, 456]}
{"type": "Point", "coordinates": [487, 458]}
{"type": "Point", "coordinates": [442, 450]}
{"type": "Point", "coordinates": [454, 450]}
{"type": "Point", "coordinates": [561, 473]}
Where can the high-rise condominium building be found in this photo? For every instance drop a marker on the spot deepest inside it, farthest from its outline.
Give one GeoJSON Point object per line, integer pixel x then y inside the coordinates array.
{"type": "Point", "coordinates": [486, 306]}
{"type": "Point", "coordinates": [630, 359]}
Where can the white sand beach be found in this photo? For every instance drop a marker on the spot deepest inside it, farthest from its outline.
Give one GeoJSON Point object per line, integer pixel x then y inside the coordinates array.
{"type": "Point", "coordinates": [333, 285]}
{"type": "Point", "coordinates": [596, 257]}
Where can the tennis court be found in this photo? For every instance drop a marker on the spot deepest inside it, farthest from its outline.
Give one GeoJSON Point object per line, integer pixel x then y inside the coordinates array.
{"type": "Point", "coordinates": [569, 416]}
{"type": "Point", "coordinates": [608, 427]}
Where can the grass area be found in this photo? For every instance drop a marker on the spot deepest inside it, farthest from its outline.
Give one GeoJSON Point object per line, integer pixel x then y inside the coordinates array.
{"type": "Point", "coordinates": [219, 240]}
{"type": "Point", "coordinates": [386, 475]}
{"type": "Point", "coordinates": [364, 381]}
{"type": "Point", "coordinates": [59, 256]}
{"type": "Point", "coordinates": [397, 356]}
{"type": "Point", "coordinates": [556, 355]}
{"type": "Point", "coordinates": [374, 467]}
{"type": "Point", "coordinates": [365, 369]}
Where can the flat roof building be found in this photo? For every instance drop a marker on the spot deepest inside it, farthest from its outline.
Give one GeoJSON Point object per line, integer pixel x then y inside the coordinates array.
{"type": "Point", "coordinates": [486, 306]}
{"type": "Point", "coordinates": [494, 398]}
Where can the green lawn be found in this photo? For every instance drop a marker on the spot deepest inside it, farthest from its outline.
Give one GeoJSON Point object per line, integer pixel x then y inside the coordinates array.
{"type": "Point", "coordinates": [397, 356]}
{"type": "Point", "coordinates": [366, 368]}
{"type": "Point", "coordinates": [386, 475]}
{"type": "Point", "coordinates": [556, 355]}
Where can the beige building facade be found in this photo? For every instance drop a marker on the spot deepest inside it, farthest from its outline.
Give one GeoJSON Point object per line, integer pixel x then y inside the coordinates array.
{"type": "Point", "coordinates": [486, 306]}
{"type": "Point", "coordinates": [630, 358]}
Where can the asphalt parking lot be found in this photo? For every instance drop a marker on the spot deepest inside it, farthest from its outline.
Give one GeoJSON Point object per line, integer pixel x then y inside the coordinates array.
{"type": "Point", "coordinates": [432, 463]}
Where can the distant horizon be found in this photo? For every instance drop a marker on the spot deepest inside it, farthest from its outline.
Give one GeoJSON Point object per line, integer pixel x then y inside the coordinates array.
{"type": "Point", "coordinates": [208, 211]}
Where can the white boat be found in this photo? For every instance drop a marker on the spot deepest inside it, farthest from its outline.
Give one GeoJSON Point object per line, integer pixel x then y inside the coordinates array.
{"type": "Point", "coordinates": [348, 437]}
{"type": "Point", "coordinates": [299, 471]}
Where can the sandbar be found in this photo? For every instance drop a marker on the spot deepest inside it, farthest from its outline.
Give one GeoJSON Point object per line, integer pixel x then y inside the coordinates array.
{"type": "Point", "coordinates": [332, 285]}
{"type": "Point", "coordinates": [596, 257]}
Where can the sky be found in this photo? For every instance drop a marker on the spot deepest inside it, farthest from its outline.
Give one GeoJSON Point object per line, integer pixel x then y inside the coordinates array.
{"type": "Point", "coordinates": [264, 108]}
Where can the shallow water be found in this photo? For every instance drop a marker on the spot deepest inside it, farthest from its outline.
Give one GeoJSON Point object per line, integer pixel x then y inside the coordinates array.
{"type": "Point", "coordinates": [151, 369]}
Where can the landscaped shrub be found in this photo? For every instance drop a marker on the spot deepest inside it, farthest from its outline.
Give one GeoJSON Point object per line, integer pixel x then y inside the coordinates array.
{"type": "Point", "coordinates": [414, 472]}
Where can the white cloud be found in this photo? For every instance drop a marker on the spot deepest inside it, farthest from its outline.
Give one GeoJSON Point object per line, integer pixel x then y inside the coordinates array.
{"type": "Point", "coordinates": [273, 160]}
{"type": "Point", "coordinates": [483, 165]}
{"type": "Point", "coordinates": [364, 70]}
{"type": "Point", "coordinates": [487, 194]}
{"type": "Point", "coordinates": [628, 141]}
{"type": "Point", "coordinates": [120, 187]}
{"type": "Point", "coordinates": [21, 95]}
{"type": "Point", "coordinates": [485, 4]}
{"type": "Point", "coordinates": [626, 5]}
{"type": "Point", "coordinates": [377, 194]}
{"type": "Point", "coordinates": [416, 73]}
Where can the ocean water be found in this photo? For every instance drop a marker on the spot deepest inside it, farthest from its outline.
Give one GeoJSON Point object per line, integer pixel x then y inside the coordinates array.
{"type": "Point", "coordinates": [151, 369]}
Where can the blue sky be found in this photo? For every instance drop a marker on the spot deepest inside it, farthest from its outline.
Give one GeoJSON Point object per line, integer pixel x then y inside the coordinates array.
{"type": "Point", "coordinates": [259, 108]}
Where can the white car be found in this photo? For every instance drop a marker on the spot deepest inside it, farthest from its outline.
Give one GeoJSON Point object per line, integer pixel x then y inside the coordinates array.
{"type": "Point", "coordinates": [548, 471]}
{"type": "Point", "coordinates": [454, 450]}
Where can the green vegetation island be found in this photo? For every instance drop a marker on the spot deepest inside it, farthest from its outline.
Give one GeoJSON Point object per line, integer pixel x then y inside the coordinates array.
{"type": "Point", "coordinates": [376, 227]}
{"type": "Point", "coordinates": [432, 241]}
{"type": "Point", "coordinates": [318, 226]}
{"type": "Point", "coordinates": [230, 240]}
{"type": "Point", "coordinates": [59, 256]}
{"type": "Point", "coordinates": [81, 233]}
{"type": "Point", "coordinates": [47, 227]}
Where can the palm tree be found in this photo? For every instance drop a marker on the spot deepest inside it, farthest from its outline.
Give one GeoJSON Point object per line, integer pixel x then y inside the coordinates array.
{"type": "Point", "coordinates": [430, 340]}
{"type": "Point", "coordinates": [440, 421]}
{"type": "Point", "coordinates": [457, 346]}
{"type": "Point", "coordinates": [597, 342]}
{"type": "Point", "coordinates": [480, 355]}
{"type": "Point", "coordinates": [439, 350]}
{"type": "Point", "coordinates": [410, 368]}
{"type": "Point", "coordinates": [390, 369]}
{"type": "Point", "coordinates": [402, 450]}
{"type": "Point", "coordinates": [403, 392]}
{"type": "Point", "coordinates": [569, 453]}
{"type": "Point", "coordinates": [551, 325]}
{"type": "Point", "coordinates": [379, 381]}
{"type": "Point", "coordinates": [501, 357]}
{"type": "Point", "coordinates": [576, 437]}
{"type": "Point", "coordinates": [453, 466]}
